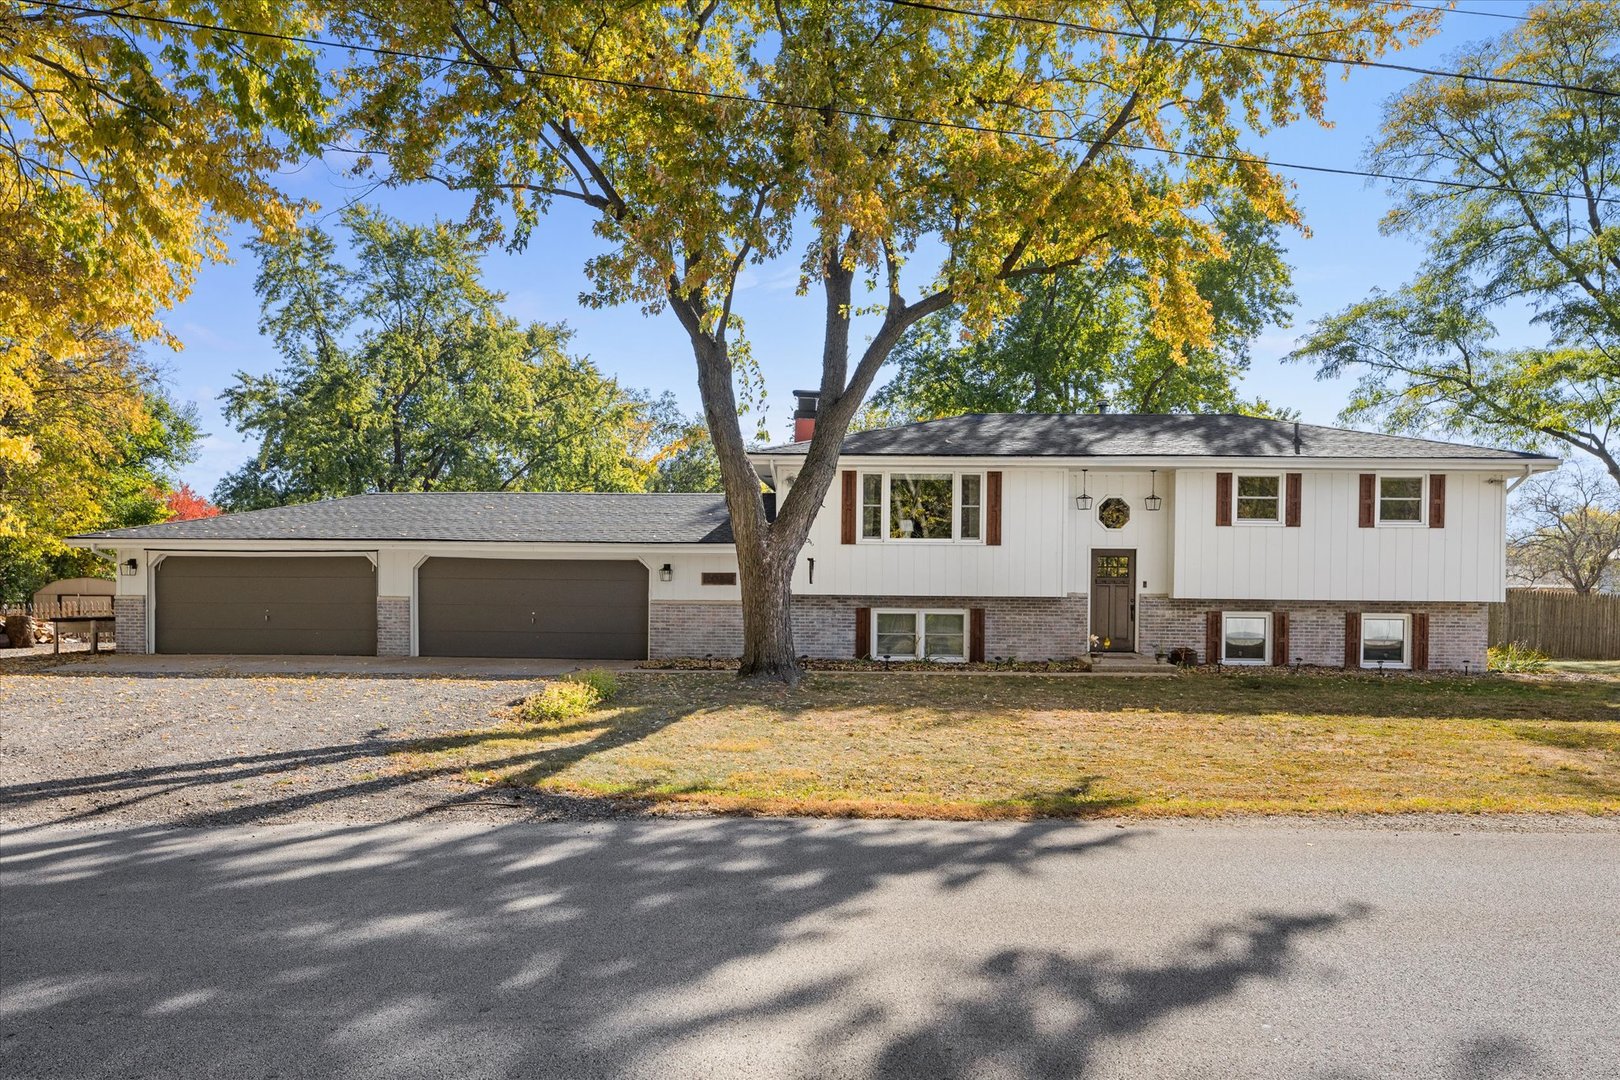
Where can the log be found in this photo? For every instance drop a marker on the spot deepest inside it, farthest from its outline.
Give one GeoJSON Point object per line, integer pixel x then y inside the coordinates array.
{"type": "Point", "coordinates": [20, 629]}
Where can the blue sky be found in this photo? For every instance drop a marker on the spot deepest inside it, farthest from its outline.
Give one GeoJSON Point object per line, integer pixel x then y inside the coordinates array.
{"type": "Point", "coordinates": [1341, 261]}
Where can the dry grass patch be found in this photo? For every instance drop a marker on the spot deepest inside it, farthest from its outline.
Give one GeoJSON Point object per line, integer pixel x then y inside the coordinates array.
{"type": "Point", "coordinates": [985, 746]}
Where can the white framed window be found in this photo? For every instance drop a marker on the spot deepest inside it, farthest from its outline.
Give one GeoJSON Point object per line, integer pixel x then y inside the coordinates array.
{"type": "Point", "coordinates": [916, 635]}
{"type": "Point", "coordinates": [1245, 637]}
{"type": "Point", "coordinates": [922, 507]}
{"type": "Point", "coordinates": [1400, 499]}
{"type": "Point", "coordinates": [1257, 498]}
{"type": "Point", "coordinates": [1386, 641]}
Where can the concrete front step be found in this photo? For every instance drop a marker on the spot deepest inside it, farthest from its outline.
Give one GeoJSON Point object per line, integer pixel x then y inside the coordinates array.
{"type": "Point", "coordinates": [1129, 662]}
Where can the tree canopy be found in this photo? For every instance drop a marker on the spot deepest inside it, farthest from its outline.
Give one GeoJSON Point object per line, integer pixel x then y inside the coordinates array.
{"type": "Point", "coordinates": [1082, 340]}
{"type": "Point", "coordinates": [402, 374]}
{"type": "Point", "coordinates": [1569, 532]}
{"type": "Point", "coordinates": [932, 157]}
{"type": "Point", "coordinates": [1541, 230]}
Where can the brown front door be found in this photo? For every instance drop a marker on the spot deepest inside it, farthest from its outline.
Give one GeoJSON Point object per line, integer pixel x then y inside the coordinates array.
{"type": "Point", "coordinates": [1113, 599]}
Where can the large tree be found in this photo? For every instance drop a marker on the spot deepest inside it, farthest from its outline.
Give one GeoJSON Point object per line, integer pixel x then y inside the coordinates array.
{"type": "Point", "coordinates": [402, 374]}
{"type": "Point", "coordinates": [1569, 531]}
{"type": "Point", "coordinates": [908, 157]}
{"type": "Point", "coordinates": [1542, 229]}
{"type": "Point", "coordinates": [103, 442]}
{"type": "Point", "coordinates": [127, 147]}
{"type": "Point", "coordinates": [1083, 340]}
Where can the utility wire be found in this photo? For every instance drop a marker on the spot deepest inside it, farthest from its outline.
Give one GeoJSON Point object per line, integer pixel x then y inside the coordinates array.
{"type": "Point", "coordinates": [797, 106]}
{"type": "Point", "coordinates": [1261, 50]}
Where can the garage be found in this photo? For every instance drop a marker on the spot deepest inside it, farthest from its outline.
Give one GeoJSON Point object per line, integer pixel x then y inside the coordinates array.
{"type": "Point", "coordinates": [564, 608]}
{"type": "Point", "coordinates": [313, 605]}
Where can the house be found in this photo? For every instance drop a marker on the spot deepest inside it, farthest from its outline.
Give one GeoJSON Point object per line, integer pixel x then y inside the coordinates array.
{"type": "Point", "coordinates": [1252, 541]}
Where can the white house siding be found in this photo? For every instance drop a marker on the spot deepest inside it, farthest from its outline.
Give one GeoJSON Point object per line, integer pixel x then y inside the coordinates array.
{"type": "Point", "coordinates": [1148, 531]}
{"type": "Point", "coordinates": [1029, 561]}
{"type": "Point", "coordinates": [1329, 557]}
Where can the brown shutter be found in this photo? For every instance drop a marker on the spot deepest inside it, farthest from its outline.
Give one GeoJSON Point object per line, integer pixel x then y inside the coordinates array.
{"type": "Point", "coordinates": [1352, 639]}
{"type": "Point", "coordinates": [1212, 638]}
{"type": "Point", "coordinates": [851, 509]}
{"type": "Point", "coordinates": [1223, 498]}
{"type": "Point", "coordinates": [1279, 639]}
{"type": "Point", "coordinates": [992, 508]}
{"type": "Point", "coordinates": [1420, 641]}
{"type": "Point", "coordinates": [1369, 496]}
{"type": "Point", "coordinates": [1296, 481]}
{"type": "Point", "coordinates": [976, 635]}
{"type": "Point", "coordinates": [1437, 501]}
{"type": "Point", "coordinates": [863, 633]}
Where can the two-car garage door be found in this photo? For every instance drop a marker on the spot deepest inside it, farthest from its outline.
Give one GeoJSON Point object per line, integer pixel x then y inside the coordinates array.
{"type": "Point", "coordinates": [566, 608]}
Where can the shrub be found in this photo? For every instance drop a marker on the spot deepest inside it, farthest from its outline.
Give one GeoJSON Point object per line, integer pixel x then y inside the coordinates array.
{"type": "Point", "coordinates": [1515, 656]}
{"type": "Point", "coordinates": [572, 695]}
{"type": "Point", "coordinates": [605, 683]}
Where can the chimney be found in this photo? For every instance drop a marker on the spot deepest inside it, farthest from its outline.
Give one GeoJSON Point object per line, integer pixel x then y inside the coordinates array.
{"type": "Point", "coordinates": [804, 417]}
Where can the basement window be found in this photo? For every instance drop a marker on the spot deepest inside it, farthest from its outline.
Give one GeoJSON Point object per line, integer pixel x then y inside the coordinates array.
{"type": "Point", "coordinates": [1386, 641]}
{"type": "Point", "coordinates": [915, 635]}
{"type": "Point", "coordinates": [1245, 637]}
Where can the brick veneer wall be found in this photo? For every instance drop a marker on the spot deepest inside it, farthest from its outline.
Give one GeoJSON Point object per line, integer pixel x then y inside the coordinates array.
{"type": "Point", "coordinates": [1457, 632]}
{"type": "Point", "coordinates": [393, 626]}
{"type": "Point", "coordinates": [1026, 628]}
{"type": "Point", "coordinates": [129, 623]}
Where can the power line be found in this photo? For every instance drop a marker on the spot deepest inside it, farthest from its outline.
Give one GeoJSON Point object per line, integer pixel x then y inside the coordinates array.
{"type": "Point", "coordinates": [1451, 10]}
{"type": "Point", "coordinates": [1260, 50]}
{"type": "Point", "coordinates": [797, 106]}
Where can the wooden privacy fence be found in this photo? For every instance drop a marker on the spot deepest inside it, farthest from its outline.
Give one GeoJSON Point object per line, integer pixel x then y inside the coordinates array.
{"type": "Point", "coordinates": [1562, 624]}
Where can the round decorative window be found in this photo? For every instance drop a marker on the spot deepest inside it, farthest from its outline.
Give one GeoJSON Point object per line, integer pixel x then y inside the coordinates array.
{"type": "Point", "coordinates": [1114, 513]}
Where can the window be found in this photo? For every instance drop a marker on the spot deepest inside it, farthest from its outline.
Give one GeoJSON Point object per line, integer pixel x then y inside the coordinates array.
{"type": "Point", "coordinates": [922, 506]}
{"type": "Point", "coordinates": [1245, 637]}
{"type": "Point", "coordinates": [1385, 641]}
{"type": "Point", "coordinates": [872, 506]}
{"type": "Point", "coordinates": [1400, 500]}
{"type": "Point", "coordinates": [972, 506]}
{"type": "Point", "coordinates": [1114, 513]}
{"type": "Point", "coordinates": [1259, 499]}
{"type": "Point", "coordinates": [912, 635]}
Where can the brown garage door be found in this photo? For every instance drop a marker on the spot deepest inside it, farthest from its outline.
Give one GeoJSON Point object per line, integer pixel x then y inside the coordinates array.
{"type": "Point", "coordinates": [593, 610]}
{"type": "Point", "coordinates": [229, 604]}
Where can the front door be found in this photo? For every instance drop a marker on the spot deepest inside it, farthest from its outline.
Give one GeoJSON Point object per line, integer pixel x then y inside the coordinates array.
{"type": "Point", "coordinates": [1113, 599]}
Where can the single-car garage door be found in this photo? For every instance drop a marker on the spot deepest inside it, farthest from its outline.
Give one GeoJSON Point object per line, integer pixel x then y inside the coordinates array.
{"type": "Point", "coordinates": [257, 604]}
{"type": "Point", "coordinates": [588, 610]}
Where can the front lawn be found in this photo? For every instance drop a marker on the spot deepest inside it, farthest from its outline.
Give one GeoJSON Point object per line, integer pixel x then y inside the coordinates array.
{"type": "Point", "coordinates": [970, 746]}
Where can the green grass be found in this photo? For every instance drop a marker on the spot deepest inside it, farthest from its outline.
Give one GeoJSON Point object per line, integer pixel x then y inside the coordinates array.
{"type": "Point", "coordinates": [1586, 667]}
{"type": "Point", "coordinates": [973, 746]}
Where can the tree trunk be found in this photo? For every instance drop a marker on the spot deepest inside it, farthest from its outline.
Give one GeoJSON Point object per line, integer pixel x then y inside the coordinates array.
{"type": "Point", "coordinates": [767, 611]}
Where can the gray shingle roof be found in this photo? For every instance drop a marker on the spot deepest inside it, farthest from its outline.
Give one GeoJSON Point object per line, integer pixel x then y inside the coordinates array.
{"type": "Point", "coordinates": [518, 516]}
{"type": "Point", "coordinates": [1134, 435]}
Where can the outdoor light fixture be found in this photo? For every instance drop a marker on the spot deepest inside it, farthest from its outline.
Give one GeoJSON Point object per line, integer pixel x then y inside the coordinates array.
{"type": "Point", "coordinates": [666, 572]}
{"type": "Point", "coordinates": [1153, 502]}
{"type": "Point", "coordinates": [1082, 501]}
{"type": "Point", "coordinates": [129, 567]}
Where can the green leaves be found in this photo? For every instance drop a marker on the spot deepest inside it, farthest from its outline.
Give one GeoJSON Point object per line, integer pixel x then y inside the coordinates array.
{"type": "Point", "coordinates": [402, 374]}
{"type": "Point", "coordinates": [1426, 355]}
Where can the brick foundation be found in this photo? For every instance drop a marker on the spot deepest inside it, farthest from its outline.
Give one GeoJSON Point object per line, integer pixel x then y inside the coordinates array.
{"type": "Point", "coordinates": [129, 623]}
{"type": "Point", "coordinates": [393, 626]}
{"type": "Point", "coordinates": [1024, 628]}
{"type": "Point", "coordinates": [1457, 632]}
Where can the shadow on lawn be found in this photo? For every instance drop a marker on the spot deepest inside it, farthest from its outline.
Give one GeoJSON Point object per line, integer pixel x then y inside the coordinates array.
{"type": "Point", "coordinates": [629, 948]}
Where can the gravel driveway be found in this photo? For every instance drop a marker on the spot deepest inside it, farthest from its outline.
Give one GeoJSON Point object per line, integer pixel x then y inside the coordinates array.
{"type": "Point", "coordinates": [208, 750]}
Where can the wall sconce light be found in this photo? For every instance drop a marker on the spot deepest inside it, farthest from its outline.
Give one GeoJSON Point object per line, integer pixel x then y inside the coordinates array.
{"type": "Point", "coordinates": [128, 567]}
{"type": "Point", "coordinates": [1153, 502]}
{"type": "Point", "coordinates": [1083, 500]}
{"type": "Point", "coordinates": [666, 572]}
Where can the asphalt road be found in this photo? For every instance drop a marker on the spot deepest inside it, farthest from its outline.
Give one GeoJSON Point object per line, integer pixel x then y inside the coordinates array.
{"type": "Point", "coordinates": [725, 948]}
